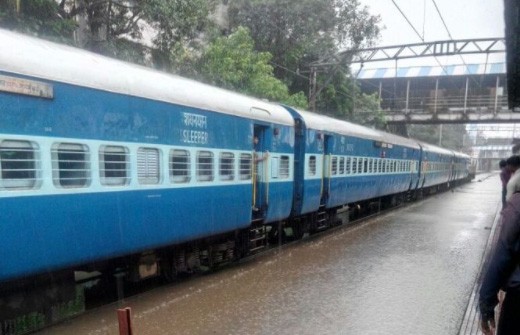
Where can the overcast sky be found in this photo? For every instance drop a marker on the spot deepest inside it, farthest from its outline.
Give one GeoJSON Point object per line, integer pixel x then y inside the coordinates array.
{"type": "Point", "coordinates": [464, 18]}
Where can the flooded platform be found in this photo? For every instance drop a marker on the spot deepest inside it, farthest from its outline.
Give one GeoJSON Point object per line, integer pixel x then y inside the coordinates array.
{"type": "Point", "coordinates": [411, 271]}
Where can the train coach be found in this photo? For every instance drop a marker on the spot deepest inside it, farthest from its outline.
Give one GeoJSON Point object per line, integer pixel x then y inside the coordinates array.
{"type": "Point", "coordinates": [338, 163]}
{"type": "Point", "coordinates": [441, 167]}
{"type": "Point", "coordinates": [107, 165]}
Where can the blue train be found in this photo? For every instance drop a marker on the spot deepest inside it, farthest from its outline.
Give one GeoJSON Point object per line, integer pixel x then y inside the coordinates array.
{"type": "Point", "coordinates": [109, 165]}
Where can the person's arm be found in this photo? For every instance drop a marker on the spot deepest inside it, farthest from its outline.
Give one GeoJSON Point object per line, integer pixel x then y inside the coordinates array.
{"type": "Point", "coordinates": [501, 265]}
{"type": "Point", "coordinates": [261, 159]}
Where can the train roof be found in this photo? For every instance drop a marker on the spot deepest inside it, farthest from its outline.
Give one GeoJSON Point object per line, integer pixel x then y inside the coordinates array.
{"type": "Point", "coordinates": [400, 140]}
{"type": "Point", "coordinates": [34, 57]}
{"type": "Point", "coordinates": [325, 123]}
{"type": "Point", "coordinates": [461, 155]}
{"type": "Point", "coordinates": [435, 149]}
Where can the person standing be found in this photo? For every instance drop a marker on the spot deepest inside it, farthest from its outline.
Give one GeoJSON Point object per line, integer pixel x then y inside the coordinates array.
{"type": "Point", "coordinates": [513, 185]}
{"type": "Point", "coordinates": [503, 273]}
{"type": "Point", "coordinates": [505, 175]}
{"type": "Point", "coordinates": [258, 157]}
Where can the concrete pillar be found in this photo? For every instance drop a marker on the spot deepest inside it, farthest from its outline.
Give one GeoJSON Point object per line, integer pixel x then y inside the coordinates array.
{"type": "Point", "coordinates": [407, 95]}
{"type": "Point", "coordinates": [496, 95]}
{"type": "Point", "coordinates": [436, 96]}
{"type": "Point", "coordinates": [466, 95]}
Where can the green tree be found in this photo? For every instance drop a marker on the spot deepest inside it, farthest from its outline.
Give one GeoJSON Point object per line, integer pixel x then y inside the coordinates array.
{"type": "Point", "coordinates": [342, 98]}
{"type": "Point", "coordinates": [298, 32]}
{"type": "Point", "coordinates": [179, 25]}
{"type": "Point", "coordinates": [231, 62]}
{"type": "Point", "coordinates": [37, 17]}
{"type": "Point", "coordinates": [115, 28]}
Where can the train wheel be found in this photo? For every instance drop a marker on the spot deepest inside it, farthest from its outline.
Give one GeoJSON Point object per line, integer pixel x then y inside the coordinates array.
{"type": "Point", "coordinates": [168, 271]}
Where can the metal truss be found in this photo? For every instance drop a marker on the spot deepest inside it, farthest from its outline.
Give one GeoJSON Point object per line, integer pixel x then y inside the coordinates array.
{"type": "Point", "coordinates": [416, 50]}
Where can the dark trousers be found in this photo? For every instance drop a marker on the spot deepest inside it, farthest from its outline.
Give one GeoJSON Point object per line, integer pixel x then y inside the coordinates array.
{"type": "Point", "coordinates": [509, 322]}
{"type": "Point", "coordinates": [504, 192]}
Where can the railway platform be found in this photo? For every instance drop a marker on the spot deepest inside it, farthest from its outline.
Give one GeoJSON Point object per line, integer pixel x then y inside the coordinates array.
{"type": "Point", "coordinates": [414, 270]}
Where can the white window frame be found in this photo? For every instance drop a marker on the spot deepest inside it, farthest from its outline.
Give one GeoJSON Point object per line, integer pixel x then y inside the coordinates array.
{"type": "Point", "coordinates": [19, 164]}
{"type": "Point", "coordinates": [246, 160]}
{"type": "Point", "coordinates": [119, 168]}
{"type": "Point", "coordinates": [226, 168]}
{"type": "Point", "coordinates": [206, 168]}
{"type": "Point", "coordinates": [179, 166]}
{"type": "Point", "coordinates": [71, 172]}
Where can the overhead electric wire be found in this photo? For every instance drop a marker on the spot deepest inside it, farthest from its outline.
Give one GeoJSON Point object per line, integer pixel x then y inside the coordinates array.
{"type": "Point", "coordinates": [410, 23]}
{"type": "Point", "coordinates": [451, 37]}
{"type": "Point", "coordinates": [442, 19]}
{"type": "Point", "coordinates": [420, 37]}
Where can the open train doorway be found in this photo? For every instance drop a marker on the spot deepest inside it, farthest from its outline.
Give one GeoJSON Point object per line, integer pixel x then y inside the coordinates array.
{"type": "Point", "coordinates": [326, 171]}
{"type": "Point", "coordinates": [260, 166]}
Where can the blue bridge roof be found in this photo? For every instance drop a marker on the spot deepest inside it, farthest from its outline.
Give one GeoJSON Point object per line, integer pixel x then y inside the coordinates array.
{"type": "Point", "coordinates": [433, 71]}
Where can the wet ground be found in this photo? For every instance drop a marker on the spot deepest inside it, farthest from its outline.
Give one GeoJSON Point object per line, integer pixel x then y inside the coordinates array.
{"type": "Point", "coordinates": [408, 272]}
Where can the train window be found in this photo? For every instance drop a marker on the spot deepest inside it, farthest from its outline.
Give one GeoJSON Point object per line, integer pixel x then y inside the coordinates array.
{"type": "Point", "coordinates": [384, 167]}
{"type": "Point", "coordinates": [70, 165]}
{"type": "Point", "coordinates": [347, 165]}
{"type": "Point", "coordinates": [365, 165]}
{"type": "Point", "coordinates": [372, 167]}
{"type": "Point", "coordinates": [284, 167]}
{"type": "Point", "coordinates": [204, 166]}
{"type": "Point", "coordinates": [180, 166]}
{"type": "Point", "coordinates": [360, 165]}
{"type": "Point", "coordinates": [312, 165]}
{"type": "Point", "coordinates": [342, 165]}
{"type": "Point", "coordinates": [245, 166]}
{"type": "Point", "coordinates": [18, 164]}
{"type": "Point", "coordinates": [354, 165]}
{"type": "Point", "coordinates": [334, 165]}
{"type": "Point", "coordinates": [227, 166]}
{"type": "Point", "coordinates": [113, 165]}
{"type": "Point", "coordinates": [148, 166]}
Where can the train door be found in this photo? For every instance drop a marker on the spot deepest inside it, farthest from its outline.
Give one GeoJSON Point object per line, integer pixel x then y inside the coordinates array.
{"type": "Point", "coordinates": [422, 167]}
{"type": "Point", "coordinates": [260, 167]}
{"type": "Point", "coordinates": [326, 175]}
